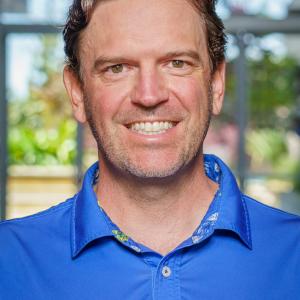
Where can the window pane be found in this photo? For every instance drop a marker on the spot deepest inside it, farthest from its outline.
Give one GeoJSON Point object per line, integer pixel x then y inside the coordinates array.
{"type": "Point", "coordinates": [33, 11]}
{"type": "Point", "coordinates": [42, 131]}
{"type": "Point", "coordinates": [272, 137]}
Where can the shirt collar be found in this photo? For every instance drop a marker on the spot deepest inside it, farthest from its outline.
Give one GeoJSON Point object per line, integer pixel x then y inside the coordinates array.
{"type": "Point", "coordinates": [88, 222]}
{"type": "Point", "coordinates": [231, 207]}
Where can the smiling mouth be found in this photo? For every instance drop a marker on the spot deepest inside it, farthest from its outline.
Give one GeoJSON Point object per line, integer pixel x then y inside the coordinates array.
{"type": "Point", "coordinates": [151, 128]}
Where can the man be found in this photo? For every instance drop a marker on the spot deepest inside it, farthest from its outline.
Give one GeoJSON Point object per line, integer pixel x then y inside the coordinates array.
{"type": "Point", "coordinates": [155, 219]}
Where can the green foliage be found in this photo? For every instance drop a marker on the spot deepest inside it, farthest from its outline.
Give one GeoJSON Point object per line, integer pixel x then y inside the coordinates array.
{"type": "Point", "coordinates": [271, 108]}
{"type": "Point", "coordinates": [42, 131]}
{"type": "Point", "coordinates": [40, 146]}
{"type": "Point", "coordinates": [297, 178]}
{"type": "Point", "coordinates": [272, 102]}
{"type": "Point", "coordinates": [267, 147]}
{"type": "Point", "coordinates": [271, 90]}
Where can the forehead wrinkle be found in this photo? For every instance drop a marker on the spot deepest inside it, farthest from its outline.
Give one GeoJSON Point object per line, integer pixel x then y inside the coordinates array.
{"type": "Point", "coordinates": [102, 21]}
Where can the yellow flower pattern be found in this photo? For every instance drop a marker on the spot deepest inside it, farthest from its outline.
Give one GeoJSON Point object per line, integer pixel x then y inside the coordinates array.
{"type": "Point", "coordinates": [119, 235]}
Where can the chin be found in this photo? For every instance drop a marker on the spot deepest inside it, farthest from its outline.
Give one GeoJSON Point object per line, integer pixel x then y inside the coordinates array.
{"type": "Point", "coordinates": [152, 173]}
{"type": "Point", "coordinates": [157, 169]}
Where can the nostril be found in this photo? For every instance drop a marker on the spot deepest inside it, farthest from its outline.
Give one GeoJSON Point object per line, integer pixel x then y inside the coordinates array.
{"type": "Point", "coordinates": [149, 92]}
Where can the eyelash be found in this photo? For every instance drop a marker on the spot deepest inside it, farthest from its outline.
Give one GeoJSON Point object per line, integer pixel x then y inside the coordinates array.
{"type": "Point", "coordinates": [109, 68]}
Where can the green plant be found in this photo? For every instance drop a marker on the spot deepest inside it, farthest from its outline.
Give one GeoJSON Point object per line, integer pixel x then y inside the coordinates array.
{"type": "Point", "coordinates": [296, 178]}
{"type": "Point", "coordinates": [267, 147]}
{"type": "Point", "coordinates": [41, 129]}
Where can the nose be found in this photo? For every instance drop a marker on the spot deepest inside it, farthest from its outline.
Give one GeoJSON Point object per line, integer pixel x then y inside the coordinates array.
{"type": "Point", "coordinates": [150, 89]}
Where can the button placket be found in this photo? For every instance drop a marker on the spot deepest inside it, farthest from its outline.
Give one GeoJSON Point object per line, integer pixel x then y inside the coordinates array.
{"type": "Point", "coordinates": [166, 281]}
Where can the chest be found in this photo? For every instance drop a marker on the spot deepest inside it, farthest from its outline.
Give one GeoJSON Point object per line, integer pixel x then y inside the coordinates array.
{"type": "Point", "coordinates": [206, 271]}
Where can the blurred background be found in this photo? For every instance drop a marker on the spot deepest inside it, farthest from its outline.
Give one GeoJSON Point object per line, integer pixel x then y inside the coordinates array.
{"type": "Point", "coordinates": [43, 152]}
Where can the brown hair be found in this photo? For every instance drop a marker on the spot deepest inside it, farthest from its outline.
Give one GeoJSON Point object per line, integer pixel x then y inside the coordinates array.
{"type": "Point", "coordinates": [80, 13]}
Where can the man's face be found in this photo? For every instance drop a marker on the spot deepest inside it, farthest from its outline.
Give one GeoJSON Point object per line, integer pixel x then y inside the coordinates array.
{"type": "Point", "coordinates": [148, 93]}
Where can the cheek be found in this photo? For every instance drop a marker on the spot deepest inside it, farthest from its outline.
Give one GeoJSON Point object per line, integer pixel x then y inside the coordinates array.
{"type": "Point", "coordinates": [105, 101]}
{"type": "Point", "coordinates": [192, 92]}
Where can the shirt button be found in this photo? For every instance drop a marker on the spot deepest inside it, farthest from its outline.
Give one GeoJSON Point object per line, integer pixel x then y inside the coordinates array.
{"type": "Point", "coordinates": [166, 271]}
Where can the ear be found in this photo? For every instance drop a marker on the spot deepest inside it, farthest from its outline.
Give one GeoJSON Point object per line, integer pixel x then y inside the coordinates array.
{"type": "Point", "coordinates": [75, 92]}
{"type": "Point", "coordinates": [218, 88]}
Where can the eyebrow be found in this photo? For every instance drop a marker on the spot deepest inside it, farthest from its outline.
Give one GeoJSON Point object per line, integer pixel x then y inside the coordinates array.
{"type": "Point", "coordinates": [190, 53]}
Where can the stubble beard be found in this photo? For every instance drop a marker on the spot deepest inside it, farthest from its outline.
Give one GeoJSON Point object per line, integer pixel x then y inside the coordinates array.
{"type": "Point", "coordinates": [119, 158]}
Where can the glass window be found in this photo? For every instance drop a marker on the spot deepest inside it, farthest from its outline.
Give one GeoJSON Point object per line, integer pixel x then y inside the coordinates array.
{"type": "Point", "coordinates": [41, 129]}
{"type": "Point", "coordinates": [33, 11]}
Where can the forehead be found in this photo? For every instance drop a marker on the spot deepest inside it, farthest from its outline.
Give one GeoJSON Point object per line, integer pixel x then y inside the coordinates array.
{"type": "Point", "coordinates": [143, 24]}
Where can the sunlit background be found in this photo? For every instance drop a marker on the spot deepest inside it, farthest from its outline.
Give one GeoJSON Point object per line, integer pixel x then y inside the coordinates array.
{"type": "Point", "coordinates": [44, 152]}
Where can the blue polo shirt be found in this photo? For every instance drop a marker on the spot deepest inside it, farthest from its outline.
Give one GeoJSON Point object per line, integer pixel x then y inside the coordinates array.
{"type": "Point", "coordinates": [241, 250]}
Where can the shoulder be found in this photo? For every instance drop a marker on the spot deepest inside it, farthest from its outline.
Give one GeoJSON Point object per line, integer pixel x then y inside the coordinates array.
{"type": "Point", "coordinates": [25, 242]}
{"type": "Point", "coordinates": [271, 221]}
{"type": "Point", "coordinates": [269, 212]}
{"type": "Point", "coordinates": [30, 227]}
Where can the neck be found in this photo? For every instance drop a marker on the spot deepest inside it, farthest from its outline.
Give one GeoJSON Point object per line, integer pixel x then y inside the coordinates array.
{"type": "Point", "coordinates": [152, 211]}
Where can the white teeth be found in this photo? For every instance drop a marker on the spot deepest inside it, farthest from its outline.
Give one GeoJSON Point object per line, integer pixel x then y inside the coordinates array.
{"type": "Point", "coordinates": [148, 127]}
{"type": "Point", "coordinates": [151, 128]}
{"type": "Point", "coordinates": [156, 126]}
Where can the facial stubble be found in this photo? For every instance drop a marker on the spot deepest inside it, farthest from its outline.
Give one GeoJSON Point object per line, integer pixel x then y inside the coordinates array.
{"type": "Point", "coordinates": [120, 160]}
